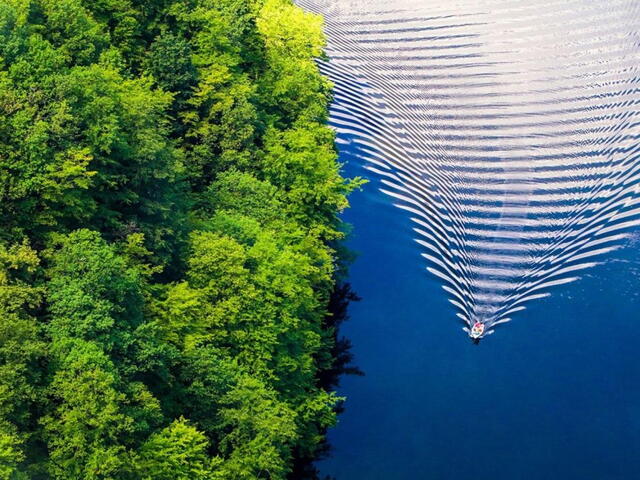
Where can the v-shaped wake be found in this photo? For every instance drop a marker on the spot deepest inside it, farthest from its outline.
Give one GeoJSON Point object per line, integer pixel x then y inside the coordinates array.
{"type": "Point", "coordinates": [508, 130]}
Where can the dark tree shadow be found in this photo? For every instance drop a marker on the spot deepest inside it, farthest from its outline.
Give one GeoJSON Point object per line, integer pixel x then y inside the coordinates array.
{"type": "Point", "coordinates": [329, 378]}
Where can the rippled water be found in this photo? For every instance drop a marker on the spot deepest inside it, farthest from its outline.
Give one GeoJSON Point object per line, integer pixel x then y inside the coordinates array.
{"type": "Point", "coordinates": [508, 130]}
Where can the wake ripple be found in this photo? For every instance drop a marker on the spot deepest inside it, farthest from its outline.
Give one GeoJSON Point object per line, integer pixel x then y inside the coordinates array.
{"type": "Point", "coordinates": [508, 129]}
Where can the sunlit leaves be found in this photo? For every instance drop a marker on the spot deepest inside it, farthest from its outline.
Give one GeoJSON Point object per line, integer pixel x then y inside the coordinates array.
{"type": "Point", "coordinates": [168, 192]}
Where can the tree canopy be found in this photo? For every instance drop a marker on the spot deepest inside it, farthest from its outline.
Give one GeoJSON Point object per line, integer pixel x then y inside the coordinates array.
{"type": "Point", "coordinates": [169, 239]}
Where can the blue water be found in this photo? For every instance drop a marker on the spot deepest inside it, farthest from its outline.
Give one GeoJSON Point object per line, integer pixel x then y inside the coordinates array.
{"type": "Point", "coordinates": [553, 395]}
{"type": "Point", "coordinates": [508, 133]}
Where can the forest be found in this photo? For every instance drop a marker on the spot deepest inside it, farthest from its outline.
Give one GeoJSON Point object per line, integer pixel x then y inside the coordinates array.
{"type": "Point", "coordinates": [170, 240]}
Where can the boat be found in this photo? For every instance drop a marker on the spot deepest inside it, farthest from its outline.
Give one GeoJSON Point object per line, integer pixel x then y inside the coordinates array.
{"type": "Point", "coordinates": [477, 330]}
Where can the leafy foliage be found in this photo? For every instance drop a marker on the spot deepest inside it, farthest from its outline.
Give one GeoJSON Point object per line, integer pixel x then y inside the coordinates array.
{"type": "Point", "coordinates": [169, 199]}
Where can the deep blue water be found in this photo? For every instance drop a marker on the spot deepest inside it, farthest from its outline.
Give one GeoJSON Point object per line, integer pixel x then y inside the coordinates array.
{"type": "Point", "coordinates": [508, 133]}
{"type": "Point", "coordinates": [553, 395]}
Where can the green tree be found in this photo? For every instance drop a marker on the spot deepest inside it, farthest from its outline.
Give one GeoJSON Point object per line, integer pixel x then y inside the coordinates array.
{"type": "Point", "coordinates": [177, 452]}
{"type": "Point", "coordinates": [169, 238]}
{"type": "Point", "coordinates": [21, 351]}
{"type": "Point", "coordinates": [99, 409]}
{"type": "Point", "coordinates": [81, 144]}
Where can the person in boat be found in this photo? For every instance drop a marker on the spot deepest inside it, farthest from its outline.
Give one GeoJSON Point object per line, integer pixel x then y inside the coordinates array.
{"type": "Point", "coordinates": [477, 330]}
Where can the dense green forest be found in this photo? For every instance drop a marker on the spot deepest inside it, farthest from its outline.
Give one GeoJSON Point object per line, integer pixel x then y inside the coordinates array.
{"type": "Point", "coordinates": [169, 239]}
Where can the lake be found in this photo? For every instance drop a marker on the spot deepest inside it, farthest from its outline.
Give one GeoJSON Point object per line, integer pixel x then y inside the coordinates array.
{"type": "Point", "coordinates": [507, 133]}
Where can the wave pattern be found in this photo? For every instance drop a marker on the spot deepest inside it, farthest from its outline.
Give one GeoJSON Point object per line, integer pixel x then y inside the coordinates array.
{"type": "Point", "coordinates": [508, 129]}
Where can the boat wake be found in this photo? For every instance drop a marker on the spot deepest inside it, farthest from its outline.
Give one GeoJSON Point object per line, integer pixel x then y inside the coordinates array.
{"type": "Point", "coordinates": [509, 131]}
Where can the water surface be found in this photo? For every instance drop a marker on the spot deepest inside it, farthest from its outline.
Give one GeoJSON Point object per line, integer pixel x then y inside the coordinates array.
{"type": "Point", "coordinates": [507, 134]}
{"type": "Point", "coordinates": [553, 395]}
